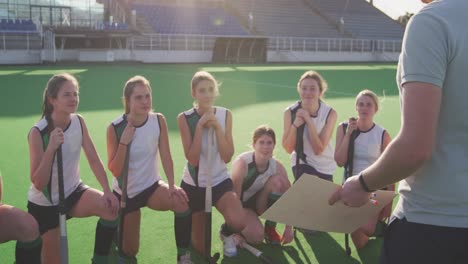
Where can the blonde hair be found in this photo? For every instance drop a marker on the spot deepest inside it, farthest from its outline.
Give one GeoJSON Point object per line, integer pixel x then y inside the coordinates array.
{"type": "Point", "coordinates": [370, 94]}
{"type": "Point", "coordinates": [263, 130]}
{"type": "Point", "coordinates": [200, 76]}
{"type": "Point", "coordinates": [130, 86]}
{"type": "Point", "coordinates": [323, 86]}
{"type": "Point", "coordinates": [51, 91]}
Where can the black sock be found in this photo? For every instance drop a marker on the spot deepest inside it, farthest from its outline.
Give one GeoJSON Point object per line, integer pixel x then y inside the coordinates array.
{"type": "Point", "coordinates": [105, 231]}
{"type": "Point", "coordinates": [29, 252]}
{"type": "Point", "coordinates": [226, 230]}
{"type": "Point", "coordinates": [183, 231]}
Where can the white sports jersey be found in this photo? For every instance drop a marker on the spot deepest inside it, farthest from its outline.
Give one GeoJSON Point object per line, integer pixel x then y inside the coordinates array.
{"type": "Point", "coordinates": [143, 164]}
{"type": "Point", "coordinates": [367, 148]}
{"type": "Point", "coordinates": [325, 162]}
{"type": "Point", "coordinates": [254, 181]}
{"type": "Point", "coordinates": [196, 176]}
{"type": "Point", "coordinates": [71, 149]}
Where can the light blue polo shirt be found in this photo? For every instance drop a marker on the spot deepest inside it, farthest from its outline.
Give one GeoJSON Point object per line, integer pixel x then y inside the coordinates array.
{"type": "Point", "coordinates": [435, 50]}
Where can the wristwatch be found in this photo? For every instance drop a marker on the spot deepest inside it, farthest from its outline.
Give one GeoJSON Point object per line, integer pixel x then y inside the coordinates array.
{"type": "Point", "coordinates": [363, 183]}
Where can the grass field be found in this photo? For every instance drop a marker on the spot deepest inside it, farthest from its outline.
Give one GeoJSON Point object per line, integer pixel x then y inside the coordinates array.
{"type": "Point", "coordinates": [255, 94]}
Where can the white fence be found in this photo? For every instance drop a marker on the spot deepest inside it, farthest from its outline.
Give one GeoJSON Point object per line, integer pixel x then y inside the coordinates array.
{"type": "Point", "coordinates": [20, 40]}
{"type": "Point", "coordinates": [206, 42]}
{"type": "Point", "coordinates": [49, 49]}
{"type": "Point", "coordinates": [161, 48]}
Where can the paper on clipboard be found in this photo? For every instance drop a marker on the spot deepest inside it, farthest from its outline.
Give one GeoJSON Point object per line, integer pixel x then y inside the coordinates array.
{"type": "Point", "coordinates": [305, 205]}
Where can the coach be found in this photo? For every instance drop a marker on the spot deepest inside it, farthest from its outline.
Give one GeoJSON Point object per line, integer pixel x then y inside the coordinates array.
{"type": "Point", "coordinates": [430, 153]}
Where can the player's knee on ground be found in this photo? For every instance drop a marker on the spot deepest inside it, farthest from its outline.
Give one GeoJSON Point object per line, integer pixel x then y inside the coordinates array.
{"type": "Point", "coordinates": [128, 260]}
{"type": "Point", "coordinates": [130, 250]}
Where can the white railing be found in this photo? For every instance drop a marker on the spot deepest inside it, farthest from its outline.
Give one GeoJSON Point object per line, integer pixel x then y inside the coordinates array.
{"type": "Point", "coordinates": [333, 44]}
{"type": "Point", "coordinates": [19, 40]}
{"type": "Point", "coordinates": [32, 40]}
{"type": "Point", "coordinates": [49, 52]}
{"type": "Point", "coordinates": [206, 43]}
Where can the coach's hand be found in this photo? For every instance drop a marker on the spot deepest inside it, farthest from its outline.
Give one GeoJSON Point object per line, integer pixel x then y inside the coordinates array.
{"type": "Point", "coordinates": [351, 193]}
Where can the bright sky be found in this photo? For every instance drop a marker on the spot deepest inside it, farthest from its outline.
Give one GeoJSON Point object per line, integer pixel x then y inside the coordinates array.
{"type": "Point", "coordinates": [396, 8]}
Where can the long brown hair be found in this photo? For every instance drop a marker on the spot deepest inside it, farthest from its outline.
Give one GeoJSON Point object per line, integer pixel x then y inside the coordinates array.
{"type": "Point", "coordinates": [51, 91]}
{"type": "Point", "coordinates": [263, 130]}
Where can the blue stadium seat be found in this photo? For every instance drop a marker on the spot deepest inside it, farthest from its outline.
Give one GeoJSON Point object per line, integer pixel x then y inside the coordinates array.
{"type": "Point", "coordinates": [285, 18]}
{"type": "Point", "coordinates": [360, 18]}
{"type": "Point", "coordinates": [190, 20]}
{"type": "Point", "coordinates": [17, 25]}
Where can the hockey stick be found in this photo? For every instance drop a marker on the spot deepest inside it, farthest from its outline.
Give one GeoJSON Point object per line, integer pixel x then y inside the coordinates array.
{"type": "Point", "coordinates": [257, 253]}
{"type": "Point", "coordinates": [123, 202]}
{"type": "Point", "coordinates": [208, 201]}
{"type": "Point", "coordinates": [348, 173]}
{"type": "Point", "coordinates": [62, 210]}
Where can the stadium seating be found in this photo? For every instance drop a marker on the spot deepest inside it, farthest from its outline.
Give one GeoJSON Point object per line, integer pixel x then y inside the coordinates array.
{"type": "Point", "coordinates": [19, 34]}
{"type": "Point", "coordinates": [167, 19]}
{"type": "Point", "coordinates": [17, 25]}
{"type": "Point", "coordinates": [285, 18]}
{"type": "Point", "coordinates": [292, 18]}
{"type": "Point", "coordinates": [20, 40]}
{"type": "Point", "coordinates": [360, 18]}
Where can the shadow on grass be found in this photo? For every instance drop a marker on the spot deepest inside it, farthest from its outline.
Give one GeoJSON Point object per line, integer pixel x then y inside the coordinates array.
{"type": "Point", "coordinates": [275, 253]}
{"type": "Point", "coordinates": [301, 248]}
{"type": "Point", "coordinates": [370, 254]}
{"type": "Point", "coordinates": [327, 250]}
{"type": "Point", "coordinates": [294, 254]}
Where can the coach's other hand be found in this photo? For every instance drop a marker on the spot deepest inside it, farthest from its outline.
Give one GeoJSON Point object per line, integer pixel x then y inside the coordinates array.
{"type": "Point", "coordinates": [351, 193]}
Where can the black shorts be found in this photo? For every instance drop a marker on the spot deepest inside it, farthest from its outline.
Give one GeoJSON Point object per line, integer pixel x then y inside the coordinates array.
{"type": "Point", "coordinates": [196, 195]}
{"type": "Point", "coordinates": [251, 203]}
{"type": "Point", "coordinates": [140, 200]}
{"type": "Point", "coordinates": [304, 168]}
{"type": "Point", "coordinates": [48, 216]}
{"type": "Point", "coordinates": [407, 242]}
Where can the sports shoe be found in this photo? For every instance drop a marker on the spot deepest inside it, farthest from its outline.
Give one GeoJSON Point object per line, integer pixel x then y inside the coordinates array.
{"type": "Point", "coordinates": [229, 245]}
{"type": "Point", "coordinates": [271, 236]}
{"type": "Point", "coordinates": [184, 259]}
